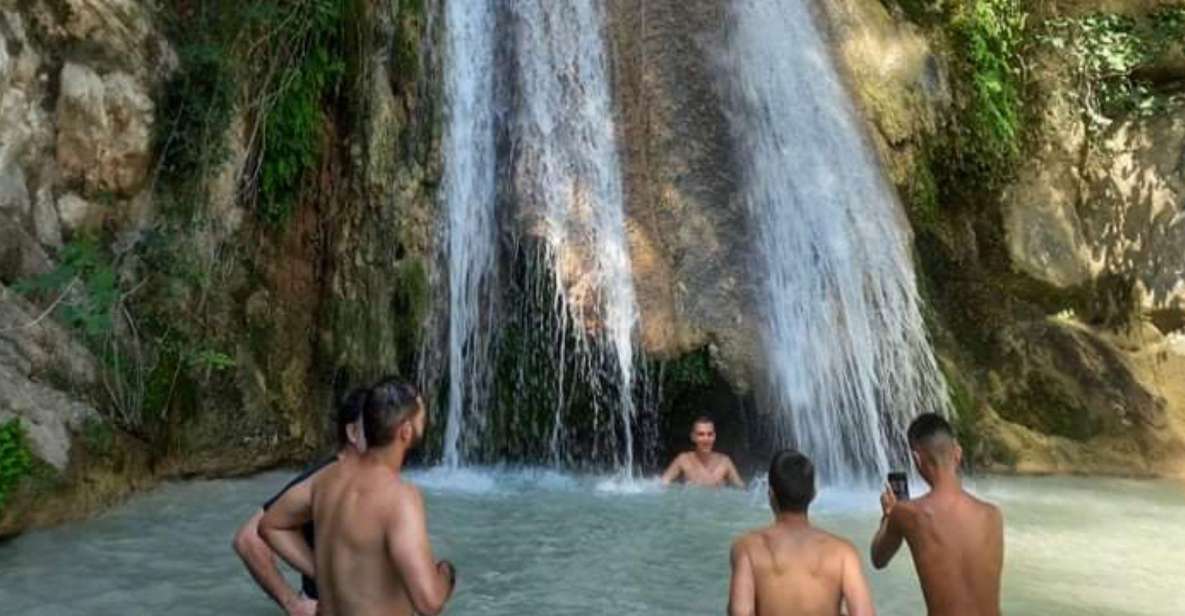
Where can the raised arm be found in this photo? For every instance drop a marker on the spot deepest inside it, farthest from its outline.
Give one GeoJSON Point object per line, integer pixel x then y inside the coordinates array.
{"type": "Point", "coordinates": [742, 591]}
{"type": "Point", "coordinates": [673, 471]}
{"type": "Point", "coordinates": [856, 595]}
{"type": "Point", "coordinates": [281, 527]}
{"type": "Point", "coordinates": [429, 584]}
{"type": "Point", "coordinates": [733, 477]}
{"type": "Point", "coordinates": [889, 536]}
{"type": "Point", "coordinates": [261, 564]}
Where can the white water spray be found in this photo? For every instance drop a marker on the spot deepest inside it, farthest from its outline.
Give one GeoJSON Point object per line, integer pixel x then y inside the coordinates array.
{"type": "Point", "coordinates": [469, 192]}
{"type": "Point", "coordinates": [849, 358]}
{"type": "Point", "coordinates": [568, 178]}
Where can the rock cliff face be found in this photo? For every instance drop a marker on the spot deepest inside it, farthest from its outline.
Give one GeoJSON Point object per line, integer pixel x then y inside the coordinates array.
{"type": "Point", "coordinates": [689, 236]}
{"type": "Point", "coordinates": [156, 318]}
{"type": "Point", "coordinates": [1030, 280]}
{"type": "Point", "coordinates": [164, 314]}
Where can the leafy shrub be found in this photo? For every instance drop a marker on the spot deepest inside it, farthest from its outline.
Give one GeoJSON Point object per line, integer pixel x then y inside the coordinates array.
{"type": "Point", "coordinates": [1106, 51]}
{"type": "Point", "coordinates": [15, 459]}
{"type": "Point", "coordinates": [990, 35]}
{"type": "Point", "coordinates": [85, 285]}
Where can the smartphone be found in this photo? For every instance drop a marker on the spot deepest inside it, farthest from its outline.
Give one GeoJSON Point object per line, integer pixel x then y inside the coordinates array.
{"type": "Point", "coordinates": [899, 483]}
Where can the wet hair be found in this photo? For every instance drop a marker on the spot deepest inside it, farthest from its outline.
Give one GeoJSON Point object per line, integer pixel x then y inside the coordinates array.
{"type": "Point", "coordinates": [703, 419]}
{"type": "Point", "coordinates": [792, 480]}
{"type": "Point", "coordinates": [390, 403]}
{"type": "Point", "coordinates": [348, 411]}
{"type": "Point", "coordinates": [932, 433]}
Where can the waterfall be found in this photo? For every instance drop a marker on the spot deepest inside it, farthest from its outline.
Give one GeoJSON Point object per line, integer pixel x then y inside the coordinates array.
{"type": "Point", "coordinates": [567, 179]}
{"type": "Point", "coordinates": [468, 193]}
{"type": "Point", "coordinates": [849, 359]}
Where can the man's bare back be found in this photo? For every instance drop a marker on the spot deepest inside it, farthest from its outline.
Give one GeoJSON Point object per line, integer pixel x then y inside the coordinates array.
{"type": "Point", "coordinates": [801, 570]}
{"type": "Point", "coordinates": [373, 555]}
{"type": "Point", "coordinates": [957, 543]}
{"type": "Point", "coordinates": [957, 540]}
{"type": "Point", "coordinates": [358, 510]}
{"type": "Point", "coordinates": [718, 471]}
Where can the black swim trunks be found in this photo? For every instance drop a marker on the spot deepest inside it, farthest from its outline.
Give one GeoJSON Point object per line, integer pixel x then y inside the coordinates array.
{"type": "Point", "coordinates": [307, 584]}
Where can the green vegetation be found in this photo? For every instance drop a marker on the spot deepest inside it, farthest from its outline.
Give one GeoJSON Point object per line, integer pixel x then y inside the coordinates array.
{"type": "Point", "coordinates": [693, 370]}
{"type": "Point", "coordinates": [1108, 50]}
{"type": "Point", "coordinates": [411, 303]}
{"type": "Point", "coordinates": [83, 287]}
{"type": "Point", "coordinates": [923, 193]}
{"type": "Point", "coordinates": [278, 61]}
{"type": "Point", "coordinates": [308, 36]}
{"type": "Point", "coordinates": [988, 36]}
{"type": "Point", "coordinates": [15, 459]}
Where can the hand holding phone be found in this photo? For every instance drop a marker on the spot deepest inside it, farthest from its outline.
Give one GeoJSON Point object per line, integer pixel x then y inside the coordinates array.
{"type": "Point", "coordinates": [899, 484]}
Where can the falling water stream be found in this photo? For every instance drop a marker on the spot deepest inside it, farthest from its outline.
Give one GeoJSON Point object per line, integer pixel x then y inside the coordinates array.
{"type": "Point", "coordinates": [469, 192]}
{"type": "Point", "coordinates": [849, 358]}
{"type": "Point", "coordinates": [567, 177]}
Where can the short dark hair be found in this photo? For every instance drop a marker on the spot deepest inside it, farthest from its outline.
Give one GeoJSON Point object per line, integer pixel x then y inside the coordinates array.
{"type": "Point", "coordinates": [703, 419]}
{"type": "Point", "coordinates": [926, 426]}
{"type": "Point", "coordinates": [792, 479]}
{"type": "Point", "coordinates": [348, 412]}
{"type": "Point", "coordinates": [390, 402]}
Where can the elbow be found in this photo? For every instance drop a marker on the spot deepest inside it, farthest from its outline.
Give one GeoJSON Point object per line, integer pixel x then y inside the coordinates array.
{"type": "Point", "coordinates": [879, 563]}
{"type": "Point", "coordinates": [246, 539]}
{"type": "Point", "coordinates": [430, 607]}
{"type": "Point", "coordinates": [736, 611]}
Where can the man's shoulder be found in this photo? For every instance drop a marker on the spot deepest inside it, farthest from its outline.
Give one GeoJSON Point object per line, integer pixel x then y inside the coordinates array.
{"type": "Point", "coordinates": [721, 457]}
{"type": "Point", "coordinates": [745, 541]}
{"type": "Point", "coordinates": [834, 542]}
{"type": "Point", "coordinates": [989, 511]}
{"type": "Point", "coordinates": [305, 478]}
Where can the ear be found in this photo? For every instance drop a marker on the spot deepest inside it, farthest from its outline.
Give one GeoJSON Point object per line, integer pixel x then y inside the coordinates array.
{"type": "Point", "coordinates": [958, 455]}
{"type": "Point", "coordinates": [357, 435]}
{"type": "Point", "coordinates": [406, 431]}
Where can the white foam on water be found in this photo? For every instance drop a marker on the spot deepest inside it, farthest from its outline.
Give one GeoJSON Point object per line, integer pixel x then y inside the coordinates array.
{"type": "Point", "coordinates": [629, 485]}
{"type": "Point", "coordinates": [466, 480]}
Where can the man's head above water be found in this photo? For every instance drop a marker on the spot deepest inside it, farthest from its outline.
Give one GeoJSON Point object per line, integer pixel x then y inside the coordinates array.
{"type": "Point", "coordinates": [394, 415]}
{"type": "Point", "coordinates": [934, 447]}
{"type": "Point", "coordinates": [791, 482]}
{"type": "Point", "coordinates": [703, 434]}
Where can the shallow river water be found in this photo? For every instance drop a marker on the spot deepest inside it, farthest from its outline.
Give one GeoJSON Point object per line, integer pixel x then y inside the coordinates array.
{"type": "Point", "coordinates": [539, 542]}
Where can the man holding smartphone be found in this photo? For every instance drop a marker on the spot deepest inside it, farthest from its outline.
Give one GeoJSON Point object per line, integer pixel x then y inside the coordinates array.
{"type": "Point", "coordinates": [957, 540]}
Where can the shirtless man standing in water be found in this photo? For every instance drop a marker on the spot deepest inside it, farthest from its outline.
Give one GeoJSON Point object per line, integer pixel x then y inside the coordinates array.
{"type": "Point", "coordinates": [957, 540]}
{"type": "Point", "coordinates": [703, 467]}
{"type": "Point", "coordinates": [373, 555]}
{"type": "Point", "coordinates": [792, 567]}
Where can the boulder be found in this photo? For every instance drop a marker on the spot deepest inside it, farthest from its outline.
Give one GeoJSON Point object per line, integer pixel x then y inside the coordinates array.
{"type": "Point", "coordinates": [104, 130]}
{"type": "Point", "coordinates": [21, 256]}
{"type": "Point", "coordinates": [1134, 213]}
{"type": "Point", "coordinates": [34, 352]}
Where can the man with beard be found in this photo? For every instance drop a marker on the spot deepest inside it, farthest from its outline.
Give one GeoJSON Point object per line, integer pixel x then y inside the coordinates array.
{"type": "Point", "coordinates": [373, 555]}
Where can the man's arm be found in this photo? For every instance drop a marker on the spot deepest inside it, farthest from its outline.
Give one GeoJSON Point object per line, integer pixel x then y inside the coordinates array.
{"type": "Point", "coordinates": [281, 527]}
{"type": "Point", "coordinates": [889, 536]}
{"type": "Point", "coordinates": [673, 471]}
{"type": "Point", "coordinates": [733, 477]}
{"type": "Point", "coordinates": [429, 584]}
{"type": "Point", "coordinates": [261, 564]}
{"type": "Point", "coordinates": [742, 591]}
{"type": "Point", "coordinates": [856, 595]}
